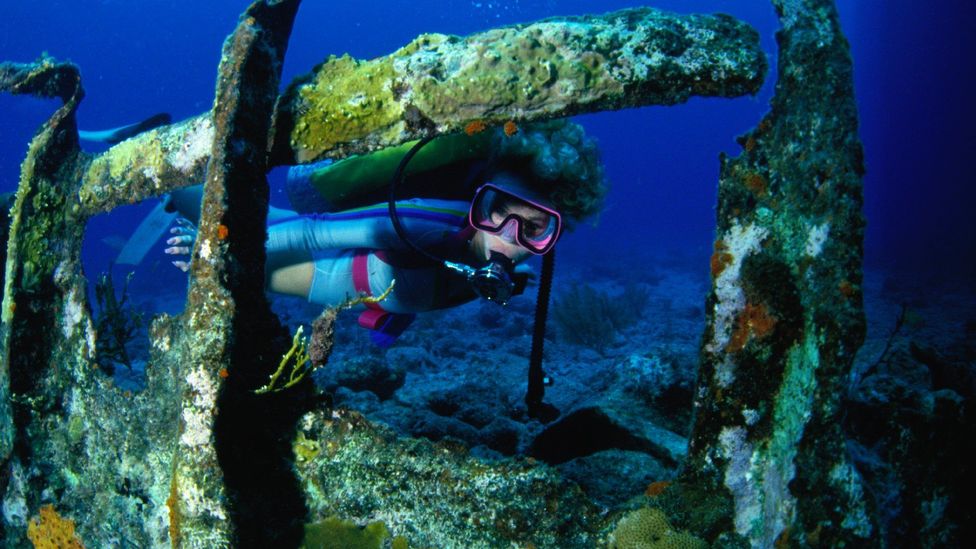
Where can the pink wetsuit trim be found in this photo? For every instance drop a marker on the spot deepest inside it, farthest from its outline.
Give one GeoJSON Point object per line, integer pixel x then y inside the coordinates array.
{"type": "Point", "coordinates": [374, 315]}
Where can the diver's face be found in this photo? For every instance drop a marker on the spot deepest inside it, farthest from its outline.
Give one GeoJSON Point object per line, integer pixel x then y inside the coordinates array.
{"type": "Point", "coordinates": [510, 224]}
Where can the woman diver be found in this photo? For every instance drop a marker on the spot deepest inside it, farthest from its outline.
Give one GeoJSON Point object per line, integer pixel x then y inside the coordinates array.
{"type": "Point", "coordinates": [441, 250]}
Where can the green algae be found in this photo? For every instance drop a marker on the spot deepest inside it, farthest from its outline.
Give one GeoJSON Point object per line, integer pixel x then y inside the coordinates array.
{"type": "Point", "coordinates": [335, 533]}
{"type": "Point", "coordinates": [439, 495]}
{"type": "Point", "coordinates": [146, 165]}
{"type": "Point", "coordinates": [343, 100]}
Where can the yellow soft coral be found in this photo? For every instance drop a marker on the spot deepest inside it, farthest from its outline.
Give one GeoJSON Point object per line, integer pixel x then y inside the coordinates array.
{"type": "Point", "coordinates": [49, 530]}
{"type": "Point", "coordinates": [648, 528]}
{"type": "Point", "coordinates": [297, 360]}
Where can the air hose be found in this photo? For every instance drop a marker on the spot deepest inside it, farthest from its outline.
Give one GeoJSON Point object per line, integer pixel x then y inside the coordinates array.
{"type": "Point", "coordinates": [397, 179]}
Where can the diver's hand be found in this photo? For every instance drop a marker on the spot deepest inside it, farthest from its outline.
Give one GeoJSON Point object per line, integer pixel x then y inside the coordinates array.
{"type": "Point", "coordinates": [182, 243]}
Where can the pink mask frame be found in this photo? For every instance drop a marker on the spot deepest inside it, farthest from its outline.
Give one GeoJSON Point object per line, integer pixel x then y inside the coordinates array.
{"type": "Point", "coordinates": [479, 217]}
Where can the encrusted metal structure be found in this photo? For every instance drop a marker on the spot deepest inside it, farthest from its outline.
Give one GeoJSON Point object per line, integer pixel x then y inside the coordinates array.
{"type": "Point", "coordinates": [785, 314]}
{"type": "Point", "coordinates": [198, 460]}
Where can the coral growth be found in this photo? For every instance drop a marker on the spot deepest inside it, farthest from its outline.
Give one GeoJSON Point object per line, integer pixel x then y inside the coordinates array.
{"type": "Point", "coordinates": [320, 344]}
{"type": "Point", "coordinates": [173, 505]}
{"type": "Point", "coordinates": [49, 530]}
{"type": "Point", "coordinates": [117, 324]}
{"type": "Point", "coordinates": [335, 533]}
{"type": "Point", "coordinates": [749, 144]}
{"type": "Point", "coordinates": [720, 258]}
{"type": "Point", "coordinates": [475, 126]}
{"type": "Point", "coordinates": [656, 488]}
{"type": "Point", "coordinates": [307, 354]}
{"type": "Point", "coordinates": [847, 289]}
{"type": "Point", "coordinates": [647, 376]}
{"type": "Point", "coordinates": [755, 321]}
{"type": "Point", "coordinates": [295, 361]}
{"type": "Point", "coordinates": [648, 528]}
{"type": "Point", "coordinates": [344, 100]}
{"type": "Point", "coordinates": [585, 315]}
{"type": "Point", "coordinates": [756, 183]}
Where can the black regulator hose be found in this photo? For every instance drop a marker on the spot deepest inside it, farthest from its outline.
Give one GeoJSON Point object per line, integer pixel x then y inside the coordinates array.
{"type": "Point", "coordinates": [397, 179]}
{"type": "Point", "coordinates": [542, 411]}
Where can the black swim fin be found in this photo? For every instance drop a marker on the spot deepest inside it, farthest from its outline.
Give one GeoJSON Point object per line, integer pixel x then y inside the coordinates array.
{"type": "Point", "coordinates": [116, 135]}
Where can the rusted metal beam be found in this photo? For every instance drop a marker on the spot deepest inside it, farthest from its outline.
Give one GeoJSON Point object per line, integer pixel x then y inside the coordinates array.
{"type": "Point", "coordinates": [74, 432]}
{"type": "Point", "coordinates": [440, 83]}
{"type": "Point", "coordinates": [549, 69]}
{"type": "Point", "coordinates": [44, 307]}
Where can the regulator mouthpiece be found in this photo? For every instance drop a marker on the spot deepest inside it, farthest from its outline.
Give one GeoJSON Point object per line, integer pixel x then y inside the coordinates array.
{"type": "Point", "coordinates": [492, 281]}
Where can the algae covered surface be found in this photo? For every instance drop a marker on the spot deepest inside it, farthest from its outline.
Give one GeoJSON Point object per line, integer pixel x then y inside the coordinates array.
{"type": "Point", "coordinates": [434, 494]}
{"type": "Point", "coordinates": [552, 68]}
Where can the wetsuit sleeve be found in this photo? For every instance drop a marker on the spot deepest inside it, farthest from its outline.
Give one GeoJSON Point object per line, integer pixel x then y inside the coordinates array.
{"type": "Point", "coordinates": [425, 220]}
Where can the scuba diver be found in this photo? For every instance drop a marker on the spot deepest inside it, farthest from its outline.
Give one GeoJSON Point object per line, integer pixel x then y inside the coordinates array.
{"type": "Point", "coordinates": [490, 201]}
{"type": "Point", "coordinates": [426, 225]}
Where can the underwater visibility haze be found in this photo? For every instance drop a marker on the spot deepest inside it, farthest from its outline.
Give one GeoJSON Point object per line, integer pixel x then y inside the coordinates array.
{"type": "Point", "coordinates": [765, 336]}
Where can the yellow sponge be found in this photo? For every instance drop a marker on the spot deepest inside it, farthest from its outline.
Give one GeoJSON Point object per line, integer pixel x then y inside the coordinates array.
{"type": "Point", "coordinates": [648, 528]}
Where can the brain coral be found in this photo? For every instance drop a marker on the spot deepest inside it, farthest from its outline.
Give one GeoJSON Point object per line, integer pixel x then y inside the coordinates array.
{"type": "Point", "coordinates": [648, 528]}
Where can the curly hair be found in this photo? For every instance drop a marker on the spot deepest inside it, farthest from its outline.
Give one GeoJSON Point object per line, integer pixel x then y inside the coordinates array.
{"type": "Point", "coordinates": [560, 161]}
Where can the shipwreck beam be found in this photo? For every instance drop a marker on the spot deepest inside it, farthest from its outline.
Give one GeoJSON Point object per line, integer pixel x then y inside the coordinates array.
{"type": "Point", "coordinates": [150, 164]}
{"type": "Point", "coordinates": [549, 69]}
{"type": "Point", "coordinates": [38, 218]}
{"type": "Point", "coordinates": [229, 337]}
{"type": "Point", "coordinates": [767, 458]}
{"type": "Point", "coordinates": [440, 83]}
{"type": "Point", "coordinates": [189, 461]}
{"type": "Point", "coordinates": [46, 333]}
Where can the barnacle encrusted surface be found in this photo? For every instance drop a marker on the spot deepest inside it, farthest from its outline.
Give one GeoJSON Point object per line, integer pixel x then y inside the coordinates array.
{"type": "Point", "coordinates": [551, 68]}
{"type": "Point", "coordinates": [434, 493]}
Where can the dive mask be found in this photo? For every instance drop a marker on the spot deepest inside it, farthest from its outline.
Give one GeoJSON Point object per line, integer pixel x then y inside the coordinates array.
{"type": "Point", "coordinates": [530, 224]}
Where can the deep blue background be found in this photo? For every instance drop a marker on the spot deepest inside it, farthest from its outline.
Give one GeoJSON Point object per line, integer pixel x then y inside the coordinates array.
{"type": "Point", "coordinates": [913, 81]}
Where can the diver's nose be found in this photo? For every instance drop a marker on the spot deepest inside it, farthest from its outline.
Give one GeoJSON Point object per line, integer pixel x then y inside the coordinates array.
{"type": "Point", "coordinates": [509, 230]}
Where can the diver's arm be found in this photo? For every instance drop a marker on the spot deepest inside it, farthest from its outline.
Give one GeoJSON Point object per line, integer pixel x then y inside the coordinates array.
{"type": "Point", "coordinates": [425, 221]}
